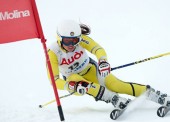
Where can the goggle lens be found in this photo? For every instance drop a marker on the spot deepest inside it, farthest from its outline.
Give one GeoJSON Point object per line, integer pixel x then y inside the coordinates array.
{"type": "Point", "coordinates": [70, 41]}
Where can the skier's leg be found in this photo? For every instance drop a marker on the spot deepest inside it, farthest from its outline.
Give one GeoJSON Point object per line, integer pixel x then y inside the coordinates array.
{"type": "Point", "coordinates": [100, 93]}
{"type": "Point", "coordinates": [116, 85]}
{"type": "Point", "coordinates": [112, 97]}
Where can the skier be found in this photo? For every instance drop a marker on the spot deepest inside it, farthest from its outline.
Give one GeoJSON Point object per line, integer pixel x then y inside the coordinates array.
{"type": "Point", "coordinates": [83, 75]}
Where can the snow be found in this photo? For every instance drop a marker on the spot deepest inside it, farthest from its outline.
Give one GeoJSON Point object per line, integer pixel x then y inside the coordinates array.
{"type": "Point", "coordinates": [129, 30]}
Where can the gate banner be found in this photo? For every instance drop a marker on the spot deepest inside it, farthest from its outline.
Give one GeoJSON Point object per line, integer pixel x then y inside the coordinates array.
{"type": "Point", "coordinates": [17, 21]}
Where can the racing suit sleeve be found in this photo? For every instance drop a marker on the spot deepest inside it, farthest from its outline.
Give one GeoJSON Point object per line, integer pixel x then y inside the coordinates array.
{"type": "Point", "coordinates": [54, 64]}
{"type": "Point", "coordinates": [93, 47]}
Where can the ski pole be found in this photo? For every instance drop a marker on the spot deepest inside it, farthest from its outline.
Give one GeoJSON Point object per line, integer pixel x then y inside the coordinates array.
{"type": "Point", "coordinates": [45, 104]}
{"type": "Point", "coordinates": [140, 61]}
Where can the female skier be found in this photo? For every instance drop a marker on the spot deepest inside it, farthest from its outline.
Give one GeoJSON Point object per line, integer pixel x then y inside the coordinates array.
{"type": "Point", "coordinates": [83, 75]}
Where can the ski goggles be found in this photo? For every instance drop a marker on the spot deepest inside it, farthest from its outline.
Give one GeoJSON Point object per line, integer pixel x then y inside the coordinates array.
{"type": "Point", "coordinates": [70, 41]}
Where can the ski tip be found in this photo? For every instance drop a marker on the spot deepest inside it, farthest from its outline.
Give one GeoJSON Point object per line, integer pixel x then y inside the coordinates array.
{"type": "Point", "coordinates": [112, 116]}
{"type": "Point", "coordinates": [161, 112]}
{"type": "Point", "coordinates": [115, 114]}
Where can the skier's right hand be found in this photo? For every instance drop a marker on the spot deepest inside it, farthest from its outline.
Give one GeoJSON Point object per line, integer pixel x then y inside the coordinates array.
{"type": "Point", "coordinates": [81, 87]}
{"type": "Point", "coordinates": [104, 68]}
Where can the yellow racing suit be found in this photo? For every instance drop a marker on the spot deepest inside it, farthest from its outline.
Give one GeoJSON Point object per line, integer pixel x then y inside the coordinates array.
{"type": "Point", "coordinates": [78, 66]}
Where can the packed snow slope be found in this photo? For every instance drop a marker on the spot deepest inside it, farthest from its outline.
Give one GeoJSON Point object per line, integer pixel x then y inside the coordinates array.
{"type": "Point", "coordinates": [129, 30]}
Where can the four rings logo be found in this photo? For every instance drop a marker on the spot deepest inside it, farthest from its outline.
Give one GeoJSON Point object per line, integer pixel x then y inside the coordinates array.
{"type": "Point", "coordinates": [15, 14]}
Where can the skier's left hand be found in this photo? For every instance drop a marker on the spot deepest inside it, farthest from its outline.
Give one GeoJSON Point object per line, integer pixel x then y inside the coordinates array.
{"type": "Point", "coordinates": [104, 68]}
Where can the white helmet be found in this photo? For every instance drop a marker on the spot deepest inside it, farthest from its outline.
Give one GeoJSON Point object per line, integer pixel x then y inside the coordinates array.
{"type": "Point", "coordinates": [69, 28]}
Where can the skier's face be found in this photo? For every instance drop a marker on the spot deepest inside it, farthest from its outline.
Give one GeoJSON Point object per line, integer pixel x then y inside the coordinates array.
{"type": "Point", "coordinates": [69, 43]}
{"type": "Point", "coordinates": [69, 48]}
